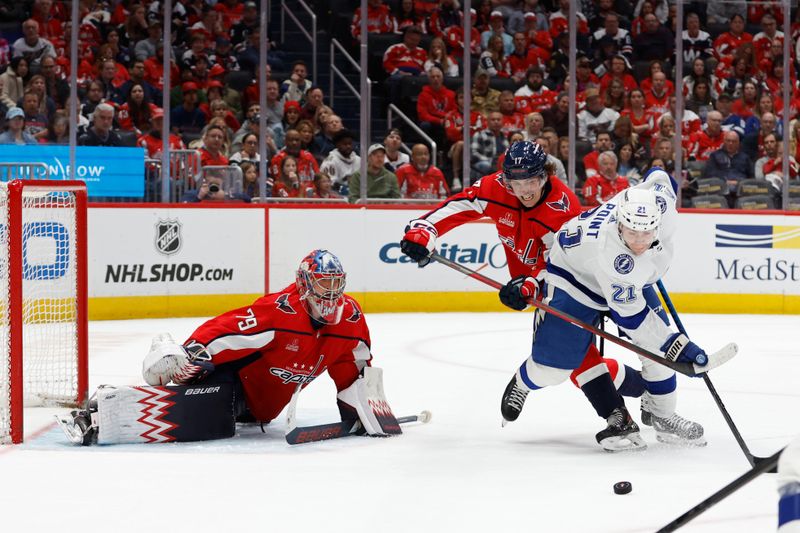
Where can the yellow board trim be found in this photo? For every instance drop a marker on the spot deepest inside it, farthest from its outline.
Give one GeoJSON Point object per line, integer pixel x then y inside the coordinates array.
{"type": "Point", "coordinates": [120, 308]}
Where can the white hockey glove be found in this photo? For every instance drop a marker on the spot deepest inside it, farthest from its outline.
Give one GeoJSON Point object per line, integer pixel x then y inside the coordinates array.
{"type": "Point", "coordinates": [365, 400]}
{"type": "Point", "coordinates": [169, 361]}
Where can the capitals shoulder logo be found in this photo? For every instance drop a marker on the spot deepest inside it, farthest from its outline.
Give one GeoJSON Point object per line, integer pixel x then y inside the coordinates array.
{"type": "Point", "coordinates": [168, 236]}
{"type": "Point", "coordinates": [560, 205]}
{"type": "Point", "coordinates": [623, 263]}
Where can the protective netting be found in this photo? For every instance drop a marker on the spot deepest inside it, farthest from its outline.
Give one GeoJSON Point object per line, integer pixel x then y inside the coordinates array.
{"type": "Point", "coordinates": [50, 300]}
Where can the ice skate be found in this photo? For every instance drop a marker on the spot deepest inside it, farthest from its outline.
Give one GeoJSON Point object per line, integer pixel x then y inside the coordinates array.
{"type": "Point", "coordinates": [675, 429]}
{"type": "Point", "coordinates": [513, 400]}
{"type": "Point", "coordinates": [78, 428]}
{"type": "Point", "coordinates": [622, 433]}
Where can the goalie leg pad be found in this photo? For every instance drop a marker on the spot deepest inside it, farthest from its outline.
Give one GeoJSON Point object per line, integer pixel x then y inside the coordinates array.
{"type": "Point", "coordinates": [165, 414]}
{"type": "Point", "coordinates": [366, 397]}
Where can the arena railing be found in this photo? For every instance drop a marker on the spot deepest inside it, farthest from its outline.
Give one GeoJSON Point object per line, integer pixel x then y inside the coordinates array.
{"type": "Point", "coordinates": [278, 200]}
{"type": "Point", "coordinates": [312, 37]}
{"type": "Point", "coordinates": [398, 201]}
{"type": "Point", "coordinates": [394, 109]}
{"type": "Point", "coordinates": [335, 72]}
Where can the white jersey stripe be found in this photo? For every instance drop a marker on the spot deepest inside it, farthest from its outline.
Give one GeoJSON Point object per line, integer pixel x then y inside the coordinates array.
{"type": "Point", "coordinates": [240, 342]}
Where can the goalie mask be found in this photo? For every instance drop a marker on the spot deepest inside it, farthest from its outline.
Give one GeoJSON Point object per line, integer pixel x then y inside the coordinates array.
{"type": "Point", "coordinates": [638, 219]}
{"type": "Point", "coordinates": [320, 282]}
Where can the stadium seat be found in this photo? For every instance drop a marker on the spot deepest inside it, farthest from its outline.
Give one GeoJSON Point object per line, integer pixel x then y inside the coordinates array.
{"type": "Point", "coordinates": [794, 189]}
{"type": "Point", "coordinates": [127, 138]}
{"type": "Point", "coordinates": [754, 187]}
{"type": "Point", "coordinates": [712, 186]}
{"type": "Point", "coordinates": [793, 204]}
{"type": "Point", "coordinates": [755, 202]}
{"type": "Point", "coordinates": [239, 80]}
{"type": "Point", "coordinates": [710, 201]}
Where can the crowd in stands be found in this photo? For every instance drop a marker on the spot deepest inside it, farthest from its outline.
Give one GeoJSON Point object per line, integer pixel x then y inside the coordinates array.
{"type": "Point", "coordinates": [732, 88]}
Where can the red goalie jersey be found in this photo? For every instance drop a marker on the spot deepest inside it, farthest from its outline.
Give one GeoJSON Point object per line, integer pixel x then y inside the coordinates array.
{"type": "Point", "coordinates": [526, 233]}
{"type": "Point", "coordinates": [273, 346]}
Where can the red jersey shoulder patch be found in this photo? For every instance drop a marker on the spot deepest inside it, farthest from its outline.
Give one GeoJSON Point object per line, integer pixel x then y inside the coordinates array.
{"type": "Point", "coordinates": [283, 304]}
{"type": "Point", "coordinates": [561, 204]}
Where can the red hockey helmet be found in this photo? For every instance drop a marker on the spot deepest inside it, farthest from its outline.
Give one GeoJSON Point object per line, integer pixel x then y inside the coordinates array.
{"type": "Point", "coordinates": [320, 281]}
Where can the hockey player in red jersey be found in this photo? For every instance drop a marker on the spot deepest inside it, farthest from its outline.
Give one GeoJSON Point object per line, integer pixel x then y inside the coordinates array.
{"type": "Point", "coordinates": [246, 364]}
{"type": "Point", "coordinates": [528, 205]}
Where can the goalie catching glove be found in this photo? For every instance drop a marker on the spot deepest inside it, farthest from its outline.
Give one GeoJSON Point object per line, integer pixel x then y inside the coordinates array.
{"type": "Point", "coordinates": [519, 292]}
{"type": "Point", "coordinates": [419, 241]}
{"type": "Point", "coordinates": [365, 401]}
{"type": "Point", "coordinates": [169, 361]}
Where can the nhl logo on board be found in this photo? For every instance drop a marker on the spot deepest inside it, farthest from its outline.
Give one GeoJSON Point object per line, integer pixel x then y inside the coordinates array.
{"type": "Point", "coordinates": [168, 236]}
{"type": "Point", "coordinates": [623, 263]}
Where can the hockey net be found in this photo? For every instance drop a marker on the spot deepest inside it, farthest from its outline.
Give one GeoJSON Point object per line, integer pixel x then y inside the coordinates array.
{"type": "Point", "coordinates": [43, 328]}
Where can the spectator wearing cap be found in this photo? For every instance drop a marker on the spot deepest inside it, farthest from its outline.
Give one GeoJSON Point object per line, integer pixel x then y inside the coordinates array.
{"type": "Point", "coordinates": [342, 161]}
{"type": "Point", "coordinates": [307, 166]}
{"type": "Point", "coordinates": [391, 146]}
{"type": "Point", "coordinates": [247, 24]}
{"type": "Point", "coordinates": [434, 102]}
{"type": "Point", "coordinates": [153, 142]}
{"type": "Point", "coordinates": [446, 15]}
{"type": "Point", "coordinates": [381, 183]}
{"type": "Point", "coordinates": [323, 142]}
{"type": "Point", "coordinates": [559, 20]}
{"type": "Point", "coordinates": [404, 59]}
{"type": "Point", "coordinates": [534, 95]}
{"type": "Point", "coordinates": [15, 129]}
{"type": "Point", "coordinates": [496, 28]}
{"type": "Point", "coordinates": [187, 117]}
{"type": "Point", "coordinates": [654, 42]}
{"type": "Point", "coordinates": [419, 179]}
{"type": "Point", "coordinates": [100, 132]}
{"type": "Point", "coordinates": [298, 84]}
{"type": "Point", "coordinates": [730, 120]}
{"type": "Point", "coordinates": [147, 47]}
{"type": "Point", "coordinates": [223, 57]}
{"type": "Point", "coordinates": [484, 98]}
{"type": "Point", "coordinates": [230, 12]}
{"type": "Point", "coordinates": [618, 39]}
{"type": "Point", "coordinates": [31, 46]}
{"type": "Point", "coordinates": [595, 117]}
{"type": "Point", "coordinates": [379, 19]}
{"type": "Point", "coordinates": [291, 117]}
{"type": "Point", "coordinates": [454, 37]}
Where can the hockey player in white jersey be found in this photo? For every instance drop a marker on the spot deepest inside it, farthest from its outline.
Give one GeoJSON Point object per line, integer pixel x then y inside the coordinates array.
{"type": "Point", "coordinates": [606, 260]}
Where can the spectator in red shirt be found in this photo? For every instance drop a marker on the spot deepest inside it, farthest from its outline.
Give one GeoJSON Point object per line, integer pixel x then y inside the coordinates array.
{"type": "Point", "coordinates": [601, 187]}
{"type": "Point", "coordinates": [454, 130]}
{"type": "Point", "coordinates": [446, 15]}
{"type": "Point", "coordinates": [136, 113]}
{"type": "Point", "coordinates": [618, 71]}
{"type": "Point", "coordinates": [454, 37]}
{"type": "Point", "coordinates": [591, 161]}
{"type": "Point", "coordinates": [152, 141]}
{"type": "Point", "coordinates": [231, 12]}
{"type": "Point", "coordinates": [709, 139]}
{"type": "Point", "coordinates": [727, 43]}
{"type": "Point", "coordinates": [287, 181]}
{"type": "Point", "coordinates": [420, 179]}
{"type": "Point", "coordinates": [657, 98]}
{"type": "Point", "coordinates": [512, 120]}
{"type": "Point", "coordinates": [211, 152]}
{"type": "Point", "coordinates": [434, 102]}
{"type": "Point", "coordinates": [404, 59]}
{"type": "Point", "coordinates": [379, 19]}
{"type": "Point", "coordinates": [307, 166]}
{"type": "Point", "coordinates": [746, 105]}
{"type": "Point", "coordinates": [762, 41]}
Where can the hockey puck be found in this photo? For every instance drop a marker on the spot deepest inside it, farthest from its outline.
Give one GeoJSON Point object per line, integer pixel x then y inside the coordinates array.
{"type": "Point", "coordinates": [623, 487]}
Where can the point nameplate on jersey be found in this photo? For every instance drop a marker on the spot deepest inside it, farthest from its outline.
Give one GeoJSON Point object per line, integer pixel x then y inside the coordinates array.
{"type": "Point", "coordinates": [623, 263]}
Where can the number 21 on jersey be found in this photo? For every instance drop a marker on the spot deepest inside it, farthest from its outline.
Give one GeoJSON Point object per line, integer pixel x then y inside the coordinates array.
{"type": "Point", "coordinates": [623, 293]}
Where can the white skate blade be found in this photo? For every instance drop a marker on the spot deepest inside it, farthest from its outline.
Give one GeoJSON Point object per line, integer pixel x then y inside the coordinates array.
{"type": "Point", "coordinates": [718, 358]}
{"type": "Point", "coordinates": [632, 442]}
{"type": "Point", "coordinates": [503, 423]}
{"type": "Point", "coordinates": [674, 440]}
{"type": "Point", "coordinates": [71, 430]}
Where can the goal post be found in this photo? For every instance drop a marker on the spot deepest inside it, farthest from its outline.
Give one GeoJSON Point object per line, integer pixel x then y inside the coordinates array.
{"type": "Point", "coordinates": [43, 274]}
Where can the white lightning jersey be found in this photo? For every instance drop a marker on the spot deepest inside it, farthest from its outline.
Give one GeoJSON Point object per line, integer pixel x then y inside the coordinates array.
{"type": "Point", "coordinates": [594, 266]}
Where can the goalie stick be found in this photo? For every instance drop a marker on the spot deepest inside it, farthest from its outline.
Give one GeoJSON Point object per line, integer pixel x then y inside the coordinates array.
{"type": "Point", "coordinates": [683, 368]}
{"type": "Point", "coordinates": [301, 435]}
{"type": "Point", "coordinates": [752, 459]}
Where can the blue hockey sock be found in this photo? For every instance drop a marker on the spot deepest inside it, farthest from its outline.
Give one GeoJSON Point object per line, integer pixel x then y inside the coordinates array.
{"type": "Point", "coordinates": [634, 384]}
{"type": "Point", "coordinates": [602, 394]}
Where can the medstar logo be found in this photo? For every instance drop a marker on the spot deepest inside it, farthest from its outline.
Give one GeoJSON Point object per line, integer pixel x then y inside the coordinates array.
{"type": "Point", "coordinates": [168, 236]}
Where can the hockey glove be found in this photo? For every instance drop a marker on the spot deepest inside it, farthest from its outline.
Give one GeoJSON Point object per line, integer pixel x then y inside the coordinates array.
{"type": "Point", "coordinates": [518, 292]}
{"type": "Point", "coordinates": [679, 348]}
{"type": "Point", "coordinates": [419, 241]}
{"type": "Point", "coordinates": [169, 361]}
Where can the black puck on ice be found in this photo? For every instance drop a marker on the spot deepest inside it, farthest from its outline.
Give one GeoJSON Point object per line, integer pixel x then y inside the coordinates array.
{"type": "Point", "coordinates": [623, 487]}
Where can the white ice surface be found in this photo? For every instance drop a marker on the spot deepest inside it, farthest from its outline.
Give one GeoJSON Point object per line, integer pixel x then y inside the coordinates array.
{"type": "Point", "coordinates": [461, 472]}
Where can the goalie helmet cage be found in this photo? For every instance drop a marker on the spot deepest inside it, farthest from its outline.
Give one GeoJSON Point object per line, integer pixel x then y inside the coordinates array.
{"type": "Point", "coordinates": [43, 319]}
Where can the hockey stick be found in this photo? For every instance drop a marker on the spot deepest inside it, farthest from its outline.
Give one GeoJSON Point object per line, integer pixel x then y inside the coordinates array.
{"type": "Point", "coordinates": [752, 459]}
{"type": "Point", "coordinates": [683, 368]}
{"type": "Point", "coordinates": [765, 465]}
{"type": "Point", "coordinates": [301, 435]}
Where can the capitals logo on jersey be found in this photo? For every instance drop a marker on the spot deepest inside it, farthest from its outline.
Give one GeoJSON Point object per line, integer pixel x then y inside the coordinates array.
{"type": "Point", "coordinates": [355, 316]}
{"type": "Point", "coordinates": [284, 305]}
{"type": "Point", "coordinates": [560, 205]}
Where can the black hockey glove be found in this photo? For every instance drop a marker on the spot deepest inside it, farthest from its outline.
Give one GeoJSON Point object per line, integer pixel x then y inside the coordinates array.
{"type": "Point", "coordinates": [518, 292]}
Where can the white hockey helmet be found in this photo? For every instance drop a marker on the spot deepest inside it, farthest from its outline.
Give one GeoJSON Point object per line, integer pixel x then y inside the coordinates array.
{"type": "Point", "coordinates": [639, 211]}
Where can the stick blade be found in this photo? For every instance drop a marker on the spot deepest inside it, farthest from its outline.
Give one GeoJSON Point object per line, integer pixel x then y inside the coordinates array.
{"type": "Point", "coordinates": [718, 358]}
